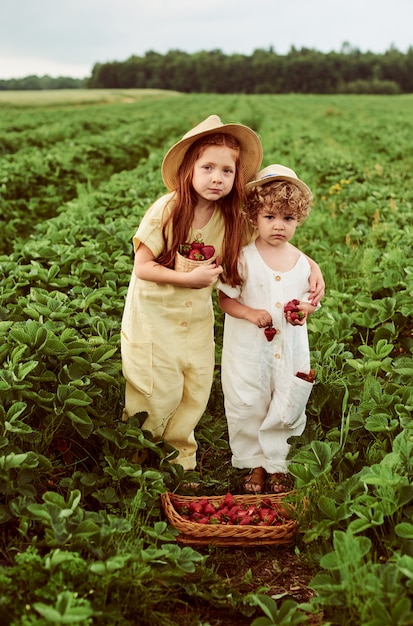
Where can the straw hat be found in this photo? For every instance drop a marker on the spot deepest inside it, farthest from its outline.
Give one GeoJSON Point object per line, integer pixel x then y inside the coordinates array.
{"type": "Point", "coordinates": [277, 172]}
{"type": "Point", "coordinates": [251, 149]}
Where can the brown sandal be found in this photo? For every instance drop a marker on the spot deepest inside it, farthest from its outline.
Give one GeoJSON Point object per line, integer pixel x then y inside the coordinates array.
{"type": "Point", "coordinates": [254, 481]}
{"type": "Point", "coordinates": [280, 483]}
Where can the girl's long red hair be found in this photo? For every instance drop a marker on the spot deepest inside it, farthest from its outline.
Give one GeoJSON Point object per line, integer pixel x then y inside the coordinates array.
{"type": "Point", "coordinates": [182, 214]}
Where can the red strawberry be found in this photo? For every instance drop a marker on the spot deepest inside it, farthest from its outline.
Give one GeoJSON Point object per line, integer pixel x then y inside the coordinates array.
{"type": "Point", "coordinates": [195, 507]}
{"type": "Point", "coordinates": [297, 315]}
{"type": "Point", "coordinates": [270, 332]}
{"type": "Point", "coordinates": [308, 377]}
{"type": "Point", "coordinates": [229, 500]}
{"type": "Point", "coordinates": [184, 248]}
{"type": "Point", "coordinates": [195, 255]}
{"type": "Point", "coordinates": [292, 305]}
{"type": "Point", "coordinates": [208, 251]}
{"type": "Point", "coordinates": [209, 509]}
{"type": "Point", "coordinates": [197, 244]}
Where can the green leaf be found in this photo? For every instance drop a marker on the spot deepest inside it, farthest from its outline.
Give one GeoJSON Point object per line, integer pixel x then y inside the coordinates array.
{"type": "Point", "coordinates": [404, 530]}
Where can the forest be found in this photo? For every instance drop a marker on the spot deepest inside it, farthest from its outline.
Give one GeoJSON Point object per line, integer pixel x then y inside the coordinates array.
{"type": "Point", "coordinates": [348, 71]}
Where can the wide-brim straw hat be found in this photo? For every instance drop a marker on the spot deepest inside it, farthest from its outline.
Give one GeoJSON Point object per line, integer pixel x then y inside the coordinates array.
{"type": "Point", "coordinates": [277, 172]}
{"type": "Point", "coordinates": [251, 148]}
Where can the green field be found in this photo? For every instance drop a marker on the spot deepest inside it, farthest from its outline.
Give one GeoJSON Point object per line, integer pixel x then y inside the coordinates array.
{"type": "Point", "coordinates": [76, 97]}
{"type": "Point", "coordinates": [83, 538]}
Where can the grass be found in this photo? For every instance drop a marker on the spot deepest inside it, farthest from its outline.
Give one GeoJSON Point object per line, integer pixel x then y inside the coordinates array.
{"type": "Point", "coordinates": [73, 97]}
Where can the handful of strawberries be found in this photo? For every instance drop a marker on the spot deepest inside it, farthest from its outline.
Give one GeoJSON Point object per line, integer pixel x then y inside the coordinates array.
{"type": "Point", "coordinates": [196, 251]}
{"type": "Point", "coordinates": [229, 512]}
{"type": "Point", "coordinates": [293, 307]}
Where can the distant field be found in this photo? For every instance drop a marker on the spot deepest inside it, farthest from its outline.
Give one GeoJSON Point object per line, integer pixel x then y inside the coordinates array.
{"type": "Point", "coordinates": [61, 97]}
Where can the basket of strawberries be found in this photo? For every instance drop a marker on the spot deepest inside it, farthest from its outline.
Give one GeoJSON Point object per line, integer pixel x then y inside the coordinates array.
{"type": "Point", "coordinates": [231, 520]}
{"type": "Point", "coordinates": [192, 254]}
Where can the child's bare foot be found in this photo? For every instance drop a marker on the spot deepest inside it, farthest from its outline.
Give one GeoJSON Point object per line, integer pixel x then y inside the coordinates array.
{"type": "Point", "coordinates": [254, 481]}
{"type": "Point", "coordinates": [280, 483]}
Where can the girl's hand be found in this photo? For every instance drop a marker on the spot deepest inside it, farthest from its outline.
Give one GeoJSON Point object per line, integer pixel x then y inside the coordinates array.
{"type": "Point", "coordinates": [317, 284]}
{"type": "Point", "coordinates": [147, 268]}
{"type": "Point", "coordinates": [203, 276]}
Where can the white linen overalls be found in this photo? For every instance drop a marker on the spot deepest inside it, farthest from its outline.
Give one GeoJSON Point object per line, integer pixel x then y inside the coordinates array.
{"type": "Point", "coordinates": [264, 399]}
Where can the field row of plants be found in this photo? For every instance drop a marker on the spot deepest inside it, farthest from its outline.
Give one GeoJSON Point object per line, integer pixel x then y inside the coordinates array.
{"type": "Point", "coordinates": [82, 535]}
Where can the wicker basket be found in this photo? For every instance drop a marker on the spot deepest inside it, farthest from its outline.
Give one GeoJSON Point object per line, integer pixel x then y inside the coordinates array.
{"type": "Point", "coordinates": [230, 535]}
{"type": "Point", "coordinates": [183, 264]}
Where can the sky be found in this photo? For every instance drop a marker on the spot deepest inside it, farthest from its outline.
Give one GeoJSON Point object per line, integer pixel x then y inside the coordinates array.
{"type": "Point", "coordinates": [68, 37]}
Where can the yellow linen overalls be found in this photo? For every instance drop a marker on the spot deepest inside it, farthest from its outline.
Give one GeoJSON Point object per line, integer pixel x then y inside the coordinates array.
{"type": "Point", "coordinates": [167, 342]}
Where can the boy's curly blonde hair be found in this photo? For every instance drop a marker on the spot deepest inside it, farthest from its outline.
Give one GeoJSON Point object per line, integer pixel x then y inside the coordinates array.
{"type": "Point", "coordinates": [278, 196]}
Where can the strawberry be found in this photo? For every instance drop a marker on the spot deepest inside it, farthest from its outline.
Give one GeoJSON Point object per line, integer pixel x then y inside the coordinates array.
{"type": "Point", "coordinates": [292, 305]}
{"type": "Point", "coordinates": [208, 252]}
{"type": "Point", "coordinates": [270, 332]}
{"type": "Point", "coordinates": [209, 509]}
{"type": "Point", "coordinates": [265, 512]}
{"type": "Point", "coordinates": [195, 507]}
{"type": "Point", "coordinates": [229, 500]}
{"type": "Point", "coordinates": [268, 519]}
{"type": "Point", "coordinates": [297, 315]}
{"type": "Point", "coordinates": [184, 248]}
{"type": "Point", "coordinates": [195, 255]}
{"type": "Point", "coordinates": [197, 244]}
{"type": "Point", "coordinates": [267, 502]}
{"type": "Point", "coordinates": [182, 509]}
{"type": "Point", "coordinates": [224, 511]}
{"type": "Point", "coordinates": [308, 377]}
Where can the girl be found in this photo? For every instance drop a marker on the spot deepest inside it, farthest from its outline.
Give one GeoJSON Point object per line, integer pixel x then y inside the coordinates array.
{"type": "Point", "coordinates": [266, 376]}
{"type": "Point", "coordinates": [167, 339]}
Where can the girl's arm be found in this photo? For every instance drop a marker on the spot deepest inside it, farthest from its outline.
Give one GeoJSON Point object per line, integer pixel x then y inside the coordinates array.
{"type": "Point", "coordinates": [146, 268]}
{"type": "Point", "coordinates": [259, 317]}
{"type": "Point", "coordinates": [317, 284]}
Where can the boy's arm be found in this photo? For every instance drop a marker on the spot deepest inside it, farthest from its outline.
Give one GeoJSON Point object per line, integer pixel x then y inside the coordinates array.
{"type": "Point", "coordinates": [231, 306]}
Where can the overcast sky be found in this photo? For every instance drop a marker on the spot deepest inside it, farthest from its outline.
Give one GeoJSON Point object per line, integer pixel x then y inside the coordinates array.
{"type": "Point", "coordinates": [67, 37]}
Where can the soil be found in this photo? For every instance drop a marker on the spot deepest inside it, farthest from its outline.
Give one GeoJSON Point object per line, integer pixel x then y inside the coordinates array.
{"type": "Point", "coordinates": [272, 570]}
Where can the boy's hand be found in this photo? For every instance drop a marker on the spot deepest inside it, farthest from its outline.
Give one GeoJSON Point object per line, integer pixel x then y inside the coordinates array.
{"type": "Point", "coordinates": [296, 312]}
{"type": "Point", "coordinates": [259, 317]}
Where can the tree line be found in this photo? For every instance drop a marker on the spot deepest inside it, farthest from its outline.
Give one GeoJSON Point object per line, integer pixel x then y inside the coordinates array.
{"type": "Point", "coordinates": [37, 83]}
{"type": "Point", "coordinates": [264, 71]}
